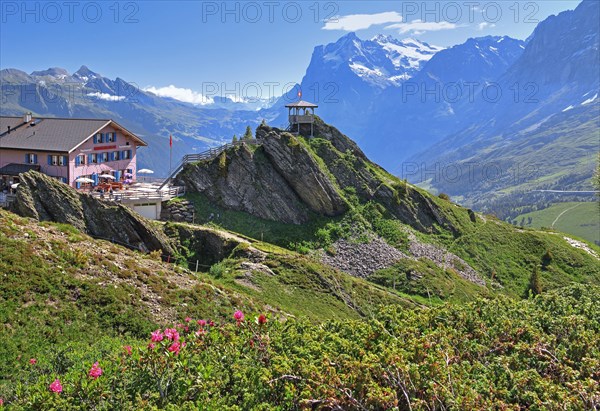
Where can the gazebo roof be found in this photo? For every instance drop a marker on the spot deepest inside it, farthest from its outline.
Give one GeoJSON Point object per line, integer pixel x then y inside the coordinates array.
{"type": "Point", "coordinates": [301, 104]}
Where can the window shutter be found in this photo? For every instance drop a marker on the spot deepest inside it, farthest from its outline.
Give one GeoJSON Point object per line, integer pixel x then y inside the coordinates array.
{"type": "Point", "coordinates": [95, 138]}
{"type": "Point", "coordinates": [111, 156]}
{"type": "Point", "coordinates": [27, 158]}
{"type": "Point", "coordinates": [77, 185]}
{"type": "Point", "coordinates": [117, 176]}
{"type": "Point", "coordinates": [49, 160]}
{"type": "Point", "coordinates": [129, 152]}
{"type": "Point", "coordinates": [90, 160]}
{"type": "Point", "coordinates": [65, 161]}
{"type": "Point", "coordinates": [77, 160]}
{"type": "Point", "coordinates": [35, 159]}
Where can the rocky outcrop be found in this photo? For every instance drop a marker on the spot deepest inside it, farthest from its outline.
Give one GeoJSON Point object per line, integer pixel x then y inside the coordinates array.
{"type": "Point", "coordinates": [244, 179]}
{"type": "Point", "coordinates": [302, 172]}
{"type": "Point", "coordinates": [46, 199]}
{"type": "Point", "coordinates": [290, 178]}
{"type": "Point", "coordinates": [208, 246]}
{"type": "Point", "coordinates": [177, 210]}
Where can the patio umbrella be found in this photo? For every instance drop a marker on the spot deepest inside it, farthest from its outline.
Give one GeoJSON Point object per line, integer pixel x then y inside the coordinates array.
{"type": "Point", "coordinates": [145, 171]}
{"type": "Point", "coordinates": [107, 176]}
{"type": "Point", "coordinates": [84, 180]}
{"type": "Point", "coordinates": [14, 185]}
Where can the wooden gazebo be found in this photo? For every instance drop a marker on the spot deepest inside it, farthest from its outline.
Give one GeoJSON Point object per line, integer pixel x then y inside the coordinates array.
{"type": "Point", "coordinates": [301, 112]}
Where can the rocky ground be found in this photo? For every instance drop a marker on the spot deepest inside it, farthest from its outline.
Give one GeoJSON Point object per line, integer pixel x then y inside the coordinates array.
{"type": "Point", "coordinates": [363, 259]}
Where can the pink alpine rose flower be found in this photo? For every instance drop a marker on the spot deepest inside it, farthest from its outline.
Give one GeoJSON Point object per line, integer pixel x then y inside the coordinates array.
{"type": "Point", "coordinates": [56, 386]}
{"type": "Point", "coordinates": [174, 348]}
{"type": "Point", "coordinates": [239, 316]}
{"type": "Point", "coordinates": [32, 361]}
{"type": "Point", "coordinates": [188, 319]}
{"type": "Point", "coordinates": [172, 334]}
{"type": "Point", "coordinates": [157, 336]}
{"type": "Point", "coordinates": [151, 346]}
{"type": "Point", "coordinates": [201, 323]}
{"type": "Point", "coordinates": [127, 349]}
{"type": "Point", "coordinates": [95, 371]}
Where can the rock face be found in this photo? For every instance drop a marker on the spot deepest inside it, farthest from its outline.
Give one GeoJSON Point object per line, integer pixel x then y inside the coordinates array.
{"type": "Point", "coordinates": [46, 199]}
{"type": "Point", "coordinates": [180, 210]}
{"type": "Point", "coordinates": [289, 179]}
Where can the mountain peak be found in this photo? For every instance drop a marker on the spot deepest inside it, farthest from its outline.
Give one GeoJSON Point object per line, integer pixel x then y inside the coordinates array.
{"type": "Point", "coordinates": [85, 73]}
{"type": "Point", "coordinates": [52, 71]}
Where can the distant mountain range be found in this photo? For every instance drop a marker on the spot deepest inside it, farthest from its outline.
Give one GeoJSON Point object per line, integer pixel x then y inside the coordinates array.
{"type": "Point", "coordinates": [422, 111]}
{"type": "Point", "coordinates": [86, 94]}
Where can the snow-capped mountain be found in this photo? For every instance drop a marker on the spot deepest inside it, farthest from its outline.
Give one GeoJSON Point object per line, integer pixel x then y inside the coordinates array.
{"type": "Point", "coordinates": [382, 61]}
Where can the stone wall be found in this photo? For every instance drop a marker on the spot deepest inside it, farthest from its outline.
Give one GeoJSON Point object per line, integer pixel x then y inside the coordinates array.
{"type": "Point", "coordinates": [180, 211]}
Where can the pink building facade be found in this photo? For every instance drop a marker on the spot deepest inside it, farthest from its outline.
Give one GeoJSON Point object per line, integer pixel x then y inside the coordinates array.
{"type": "Point", "coordinates": [104, 147]}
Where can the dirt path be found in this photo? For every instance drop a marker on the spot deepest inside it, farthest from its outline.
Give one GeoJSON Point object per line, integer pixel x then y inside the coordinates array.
{"type": "Point", "coordinates": [561, 214]}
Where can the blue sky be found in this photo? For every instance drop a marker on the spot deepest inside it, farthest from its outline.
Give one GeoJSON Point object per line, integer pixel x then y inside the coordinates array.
{"type": "Point", "coordinates": [190, 44]}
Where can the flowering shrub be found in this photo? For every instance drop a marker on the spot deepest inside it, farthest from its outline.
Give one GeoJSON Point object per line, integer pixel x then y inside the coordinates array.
{"type": "Point", "coordinates": [491, 354]}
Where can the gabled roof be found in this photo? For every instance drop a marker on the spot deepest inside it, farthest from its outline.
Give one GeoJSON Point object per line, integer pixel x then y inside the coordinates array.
{"type": "Point", "coordinates": [302, 103]}
{"type": "Point", "coordinates": [54, 134]}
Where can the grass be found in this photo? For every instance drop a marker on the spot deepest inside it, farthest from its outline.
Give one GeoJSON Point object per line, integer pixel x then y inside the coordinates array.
{"type": "Point", "coordinates": [581, 219]}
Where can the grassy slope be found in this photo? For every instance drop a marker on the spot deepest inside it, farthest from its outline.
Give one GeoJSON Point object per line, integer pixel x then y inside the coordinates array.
{"type": "Point", "coordinates": [61, 288]}
{"type": "Point", "coordinates": [579, 219]}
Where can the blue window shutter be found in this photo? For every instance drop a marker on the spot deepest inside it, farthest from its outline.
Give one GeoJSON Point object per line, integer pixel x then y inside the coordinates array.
{"type": "Point", "coordinates": [27, 158]}
{"type": "Point", "coordinates": [77, 161]}
{"type": "Point", "coordinates": [99, 158]}
{"type": "Point", "coordinates": [77, 185]}
{"type": "Point", "coordinates": [129, 154]}
{"type": "Point", "coordinates": [35, 159]}
{"type": "Point", "coordinates": [117, 176]}
{"type": "Point", "coordinates": [95, 178]}
{"type": "Point", "coordinates": [66, 161]}
{"type": "Point", "coordinates": [95, 138]}
{"type": "Point", "coordinates": [111, 156]}
{"type": "Point", "coordinates": [49, 160]}
{"type": "Point", "coordinates": [90, 159]}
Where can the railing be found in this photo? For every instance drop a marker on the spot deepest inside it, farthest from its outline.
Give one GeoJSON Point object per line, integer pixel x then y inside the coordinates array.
{"type": "Point", "coordinates": [205, 155]}
{"type": "Point", "coordinates": [132, 195]}
{"type": "Point", "coordinates": [296, 118]}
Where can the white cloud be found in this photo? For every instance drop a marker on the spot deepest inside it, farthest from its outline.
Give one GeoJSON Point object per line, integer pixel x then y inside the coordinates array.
{"type": "Point", "coordinates": [420, 27]}
{"type": "Point", "coordinates": [106, 96]}
{"type": "Point", "coordinates": [182, 94]}
{"type": "Point", "coordinates": [354, 22]}
{"type": "Point", "coordinates": [485, 25]}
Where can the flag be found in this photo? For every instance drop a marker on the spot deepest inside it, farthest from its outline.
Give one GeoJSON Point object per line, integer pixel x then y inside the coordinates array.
{"type": "Point", "coordinates": [170, 141]}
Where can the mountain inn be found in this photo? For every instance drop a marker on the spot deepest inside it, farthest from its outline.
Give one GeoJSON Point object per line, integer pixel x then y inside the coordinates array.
{"type": "Point", "coordinates": [66, 149]}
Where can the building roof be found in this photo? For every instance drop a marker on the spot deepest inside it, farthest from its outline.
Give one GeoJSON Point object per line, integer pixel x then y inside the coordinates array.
{"type": "Point", "coordinates": [302, 103]}
{"type": "Point", "coordinates": [13, 169]}
{"type": "Point", "coordinates": [53, 134]}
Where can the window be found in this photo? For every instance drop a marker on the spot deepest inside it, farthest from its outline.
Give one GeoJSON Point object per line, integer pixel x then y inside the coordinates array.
{"type": "Point", "coordinates": [92, 158]}
{"type": "Point", "coordinates": [98, 137]}
{"type": "Point", "coordinates": [31, 158]}
{"type": "Point", "coordinates": [111, 137]}
{"type": "Point", "coordinates": [104, 157]}
{"type": "Point", "coordinates": [80, 160]}
{"type": "Point", "coordinates": [126, 154]}
{"type": "Point", "coordinates": [55, 160]}
{"type": "Point", "coordinates": [117, 155]}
